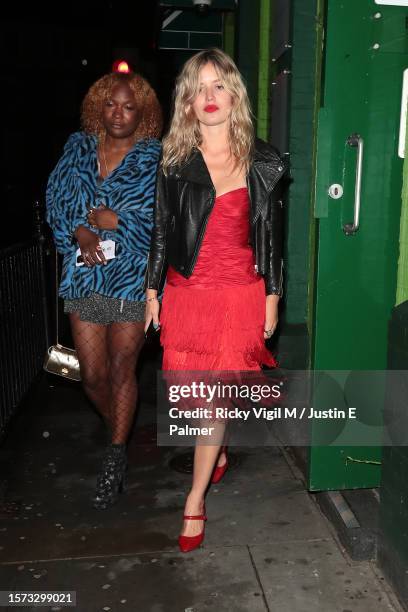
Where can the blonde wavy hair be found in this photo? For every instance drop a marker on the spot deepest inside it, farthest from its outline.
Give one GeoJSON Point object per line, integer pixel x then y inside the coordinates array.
{"type": "Point", "coordinates": [184, 133]}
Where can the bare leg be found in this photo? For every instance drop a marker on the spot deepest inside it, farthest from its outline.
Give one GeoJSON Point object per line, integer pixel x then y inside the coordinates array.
{"type": "Point", "coordinates": [90, 341]}
{"type": "Point", "coordinates": [205, 457]}
{"type": "Point", "coordinates": [222, 457]}
{"type": "Point", "coordinates": [125, 341]}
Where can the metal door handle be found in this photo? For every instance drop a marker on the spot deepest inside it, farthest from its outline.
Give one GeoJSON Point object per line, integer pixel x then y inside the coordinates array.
{"type": "Point", "coordinates": [355, 140]}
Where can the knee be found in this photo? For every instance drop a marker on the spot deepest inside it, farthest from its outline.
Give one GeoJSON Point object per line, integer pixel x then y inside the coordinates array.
{"type": "Point", "coordinates": [122, 369]}
{"type": "Point", "coordinates": [92, 378]}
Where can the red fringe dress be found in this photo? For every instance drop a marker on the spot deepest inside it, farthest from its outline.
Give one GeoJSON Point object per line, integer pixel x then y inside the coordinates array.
{"type": "Point", "coordinates": [214, 320]}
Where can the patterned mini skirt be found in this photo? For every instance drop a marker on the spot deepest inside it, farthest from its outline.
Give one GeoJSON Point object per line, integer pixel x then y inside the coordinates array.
{"type": "Point", "coordinates": [98, 308]}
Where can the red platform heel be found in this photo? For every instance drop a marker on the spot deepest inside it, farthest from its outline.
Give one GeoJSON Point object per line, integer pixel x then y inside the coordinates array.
{"type": "Point", "coordinates": [188, 543]}
{"type": "Point", "coordinates": [219, 472]}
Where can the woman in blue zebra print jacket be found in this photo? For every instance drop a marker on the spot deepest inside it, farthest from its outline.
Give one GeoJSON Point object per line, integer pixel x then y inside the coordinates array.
{"type": "Point", "coordinates": [103, 189]}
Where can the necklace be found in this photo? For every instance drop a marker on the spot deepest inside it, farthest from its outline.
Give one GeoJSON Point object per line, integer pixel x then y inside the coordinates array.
{"type": "Point", "coordinates": [105, 163]}
{"type": "Point", "coordinates": [104, 159]}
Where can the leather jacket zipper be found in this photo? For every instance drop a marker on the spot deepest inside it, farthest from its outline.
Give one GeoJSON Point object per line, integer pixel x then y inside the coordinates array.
{"type": "Point", "coordinates": [274, 182]}
{"type": "Point", "coordinates": [281, 278]}
{"type": "Point", "coordinates": [162, 266]}
{"type": "Point", "coordinates": [278, 176]}
{"type": "Point", "coordinates": [200, 237]}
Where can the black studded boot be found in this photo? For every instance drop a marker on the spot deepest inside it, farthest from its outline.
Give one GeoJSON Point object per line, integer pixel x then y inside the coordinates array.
{"type": "Point", "coordinates": [111, 480]}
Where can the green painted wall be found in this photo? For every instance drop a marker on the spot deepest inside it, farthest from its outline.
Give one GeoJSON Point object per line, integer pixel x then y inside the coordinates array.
{"type": "Point", "coordinates": [264, 68]}
{"type": "Point", "coordinates": [247, 47]}
{"type": "Point", "coordinates": [229, 33]}
{"type": "Point", "coordinates": [402, 278]}
{"type": "Point", "coordinates": [304, 99]}
{"type": "Point", "coordinates": [393, 541]}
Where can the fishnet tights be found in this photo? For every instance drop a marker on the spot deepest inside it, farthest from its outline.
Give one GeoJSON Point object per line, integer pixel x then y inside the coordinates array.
{"type": "Point", "coordinates": [108, 356]}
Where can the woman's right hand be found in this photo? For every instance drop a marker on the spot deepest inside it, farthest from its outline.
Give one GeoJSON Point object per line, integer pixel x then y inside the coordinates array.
{"type": "Point", "coordinates": [152, 310]}
{"type": "Point", "coordinates": [89, 244]}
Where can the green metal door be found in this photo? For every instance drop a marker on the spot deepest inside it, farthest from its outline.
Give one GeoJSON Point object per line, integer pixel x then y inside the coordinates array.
{"type": "Point", "coordinates": [357, 152]}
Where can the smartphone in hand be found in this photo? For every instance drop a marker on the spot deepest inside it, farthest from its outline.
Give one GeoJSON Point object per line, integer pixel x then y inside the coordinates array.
{"type": "Point", "coordinates": [151, 332]}
{"type": "Point", "coordinates": [108, 249]}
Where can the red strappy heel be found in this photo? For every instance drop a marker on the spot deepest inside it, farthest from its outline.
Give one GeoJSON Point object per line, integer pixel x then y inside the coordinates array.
{"type": "Point", "coordinates": [219, 472]}
{"type": "Point", "coordinates": [187, 543]}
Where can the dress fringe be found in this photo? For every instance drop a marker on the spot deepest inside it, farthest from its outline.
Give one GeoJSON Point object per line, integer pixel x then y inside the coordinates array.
{"type": "Point", "coordinates": [215, 329]}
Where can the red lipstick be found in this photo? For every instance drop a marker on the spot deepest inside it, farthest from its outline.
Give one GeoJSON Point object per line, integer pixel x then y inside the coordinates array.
{"type": "Point", "coordinates": [210, 108]}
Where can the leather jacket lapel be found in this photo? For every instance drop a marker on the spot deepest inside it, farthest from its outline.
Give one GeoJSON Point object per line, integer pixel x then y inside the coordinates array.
{"type": "Point", "coordinates": [261, 179]}
{"type": "Point", "coordinates": [194, 170]}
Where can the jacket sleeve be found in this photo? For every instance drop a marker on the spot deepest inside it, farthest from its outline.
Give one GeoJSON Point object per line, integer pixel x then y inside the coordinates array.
{"type": "Point", "coordinates": [274, 273]}
{"type": "Point", "coordinates": [62, 212]}
{"type": "Point", "coordinates": [135, 222]}
{"type": "Point", "coordinates": [157, 261]}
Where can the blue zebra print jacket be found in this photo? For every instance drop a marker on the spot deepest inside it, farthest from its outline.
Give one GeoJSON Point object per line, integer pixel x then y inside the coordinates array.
{"type": "Point", "coordinates": [73, 188]}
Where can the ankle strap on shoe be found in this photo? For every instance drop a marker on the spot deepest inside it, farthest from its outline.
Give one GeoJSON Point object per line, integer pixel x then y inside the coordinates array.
{"type": "Point", "coordinates": [198, 517]}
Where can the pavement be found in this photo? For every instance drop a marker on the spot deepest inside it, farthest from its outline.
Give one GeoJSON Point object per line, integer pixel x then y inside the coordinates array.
{"type": "Point", "coordinates": [267, 546]}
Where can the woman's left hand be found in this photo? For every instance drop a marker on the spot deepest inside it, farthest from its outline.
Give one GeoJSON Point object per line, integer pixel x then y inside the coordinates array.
{"type": "Point", "coordinates": [103, 218]}
{"type": "Point", "coordinates": [271, 315]}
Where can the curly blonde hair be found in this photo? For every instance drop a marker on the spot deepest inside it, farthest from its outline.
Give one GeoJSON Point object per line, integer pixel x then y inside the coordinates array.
{"type": "Point", "coordinates": [150, 124]}
{"type": "Point", "coordinates": [184, 134]}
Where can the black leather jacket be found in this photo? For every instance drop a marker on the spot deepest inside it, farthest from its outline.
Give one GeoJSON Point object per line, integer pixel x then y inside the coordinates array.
{"type": "Point", "coordinates": [184, 200]}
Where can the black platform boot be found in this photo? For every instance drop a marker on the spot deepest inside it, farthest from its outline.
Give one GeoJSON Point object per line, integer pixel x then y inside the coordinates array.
{"type": "Point", "coordinates": [111, 481]}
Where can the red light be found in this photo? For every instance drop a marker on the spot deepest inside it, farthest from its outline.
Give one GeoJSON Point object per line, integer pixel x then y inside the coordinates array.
{"type": "Point", "coordinates": [121, 66]}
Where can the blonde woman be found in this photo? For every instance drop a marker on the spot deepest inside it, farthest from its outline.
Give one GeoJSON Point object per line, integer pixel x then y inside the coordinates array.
{"type": "Point", "coordinates": [217, 235]}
